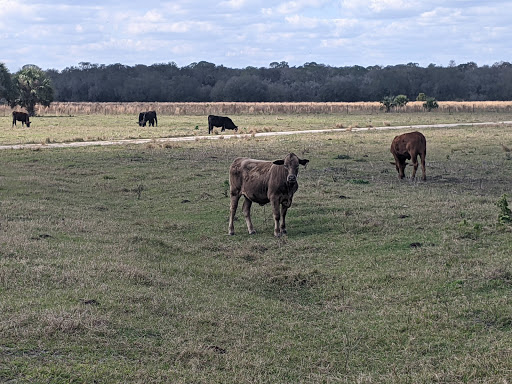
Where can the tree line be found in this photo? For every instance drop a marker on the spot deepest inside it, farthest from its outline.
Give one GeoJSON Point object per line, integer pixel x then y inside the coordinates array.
{"type": "Point", "coordinates": [204, 82]}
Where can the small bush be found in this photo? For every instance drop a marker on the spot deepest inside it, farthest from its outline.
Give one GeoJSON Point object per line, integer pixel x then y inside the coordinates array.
{"type": "Point", "coordinates": [421, 97]}
{"type": "Point", "coordinates": [430, 104]}
{"type": "Point", "coordinates": [505, 215]}
{"type": "Point", "coordinates": [388, 102]}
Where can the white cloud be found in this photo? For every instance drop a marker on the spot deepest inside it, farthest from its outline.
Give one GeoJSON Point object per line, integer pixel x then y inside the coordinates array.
{"type": "Point", "coordinates": [386, 5]}
{"type": "Point", "coordinates": [440, 16]}
{"type": "Point", "coordinates": [236, 4]}
{"type": "Point", "coordinates": [180, 27]}
{"type": "Point", "coordinates": [173, 8]}
{"type": "Point", "coordinates": [303, 21]}
{"type": "Point", "coordinates": [13, 7]}
{"type": "Point", "coordinates": [343, 25]}
{"type": "Point", "coordinates": [153, 16]}
{"type": "Point", "coordinates": [335, 43]}
{"type": "Point", "coordinates": [383, 8]}
{"type": "Point", "coordinates": [294, 6]}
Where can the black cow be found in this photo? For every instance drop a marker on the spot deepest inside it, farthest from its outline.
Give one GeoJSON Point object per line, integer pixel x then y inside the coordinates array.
{"type": "Point", "coordinates": [220, 121]}
{"type": "Point", "coordinates": [20, 116]}
{"type": "Point", "coordinates": [148, 117]}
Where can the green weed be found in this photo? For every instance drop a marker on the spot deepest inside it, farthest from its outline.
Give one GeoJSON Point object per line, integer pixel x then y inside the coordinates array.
{"type": "Point", "coordinates": [505, 215]}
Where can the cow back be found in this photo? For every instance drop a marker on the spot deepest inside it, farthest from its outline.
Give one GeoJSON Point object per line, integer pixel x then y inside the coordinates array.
{"type": "Point", "coordinates": [251, 178]}
{"type": "Point", "coordinates": [405, 144]}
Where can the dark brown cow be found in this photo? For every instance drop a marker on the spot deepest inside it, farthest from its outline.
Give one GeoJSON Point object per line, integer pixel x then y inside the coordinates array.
{"type": "Point", "coordinates": [264, 182]}
{"type": "Point", "coordinates": [20, 116]}
{"type": "Point", "coordinates": [407, 147]}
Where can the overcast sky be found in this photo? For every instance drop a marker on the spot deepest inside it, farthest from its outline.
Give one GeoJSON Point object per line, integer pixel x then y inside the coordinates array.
{"type": "Point", "coordinates": [240, 33]}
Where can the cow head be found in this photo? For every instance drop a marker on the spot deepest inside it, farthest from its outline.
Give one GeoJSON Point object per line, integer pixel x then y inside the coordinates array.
{"type": "Point", "coordinates": [400, 163]}
{"type": "Point", "coordinates": [28, 124]}
{"type": "Point", "coordinates": [291, 163]}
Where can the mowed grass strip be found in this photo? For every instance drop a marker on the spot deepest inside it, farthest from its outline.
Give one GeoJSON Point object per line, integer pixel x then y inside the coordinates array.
{"type": "Point", "coordinates": [116, 266]}
{"type": "Point", "coordinates": [96, 127]}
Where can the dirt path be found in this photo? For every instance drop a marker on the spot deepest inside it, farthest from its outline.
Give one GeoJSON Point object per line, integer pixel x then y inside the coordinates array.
{"type": "Point", "coordinates": [235, 136]}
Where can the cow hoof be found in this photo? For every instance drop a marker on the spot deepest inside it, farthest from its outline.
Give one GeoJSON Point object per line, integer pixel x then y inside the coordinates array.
{"type": "Point", "coordinates": [252, 232]}
{"type": "Point", "coordinates": [231, 233]}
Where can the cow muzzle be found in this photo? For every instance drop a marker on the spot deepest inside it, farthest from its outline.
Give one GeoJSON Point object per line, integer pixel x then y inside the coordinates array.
{"type": "Point", "coordinates": [292, 179]}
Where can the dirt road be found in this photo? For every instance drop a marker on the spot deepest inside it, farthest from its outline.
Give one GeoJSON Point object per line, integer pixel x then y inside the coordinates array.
{"type": "Point", "coordinates": [234, 136]}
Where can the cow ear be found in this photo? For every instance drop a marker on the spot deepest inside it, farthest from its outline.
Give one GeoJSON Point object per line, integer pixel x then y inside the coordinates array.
{"type": "Point", "coordinates": [303, 161]}
{"type": "Point", "coordinates": [279, 162]}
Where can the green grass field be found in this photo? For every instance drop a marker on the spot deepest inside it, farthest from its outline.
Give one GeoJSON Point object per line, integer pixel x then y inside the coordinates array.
{"type": "Point", "coordinates": [50, 129]}
{"type": "Point", "coordinates": [116, 266]}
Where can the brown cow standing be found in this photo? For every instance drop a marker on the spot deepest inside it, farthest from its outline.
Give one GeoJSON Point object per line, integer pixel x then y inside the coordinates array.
{"type": "Point", "coordinates": [20, 116]}
{"type": "Point", "coordinates": [264, 182]}
{"type": "Point", "coordinates": [406, 147]}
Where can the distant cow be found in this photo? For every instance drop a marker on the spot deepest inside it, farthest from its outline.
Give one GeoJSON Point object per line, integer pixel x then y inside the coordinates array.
{"type": "Point", "coordinates": [148, 117]}
{"type": "Point", "coordinates": [20, 116]}
{"type": "Point", "coordinates": [406, 147]}
{"type": "Point", "coordinates": [264, 182]}
{"type": "Point", "coordinates": [220, 121]}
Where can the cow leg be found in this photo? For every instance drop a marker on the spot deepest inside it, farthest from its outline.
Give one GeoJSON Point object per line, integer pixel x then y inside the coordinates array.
{"type": "Point", "coordinates": [277, 217]}
{"type": "Point", "coordinates": [414, 159]}
{"type": "Point", "coordinates": [223, 128]}
{"type": "Point", "coordinates": [422, 156]}
{"type": "Point", "coordinates": [284, 209]}
{"type": "Point", "coordinates": [235, 197]}
{"type": "Point", "coordinates": [401, 169]}
{"type": "Point", "coordinates": [399, 165]}
{"type": "Point", "coordinates": [247, 214]}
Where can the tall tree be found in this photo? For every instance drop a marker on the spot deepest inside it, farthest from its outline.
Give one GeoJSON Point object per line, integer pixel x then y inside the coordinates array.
{"type": "Point", "coordinates": [33, 87]}
{"type": "Point", "coordinates": [6, 86]}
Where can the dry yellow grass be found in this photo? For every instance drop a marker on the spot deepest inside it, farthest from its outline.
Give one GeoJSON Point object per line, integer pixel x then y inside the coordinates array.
{"type": "Point", "coordinates": [234, 108]}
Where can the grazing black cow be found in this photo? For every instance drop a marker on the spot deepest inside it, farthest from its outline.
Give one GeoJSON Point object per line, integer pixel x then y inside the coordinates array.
{"type": "Point", "coordinates": [264, 182]}
{"type": "Point", "coordinates": [220, 121]}
{"type": "Point", "coordinates": [148, 117]}
{"type": "Point", "coordinates": [20, 116]}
